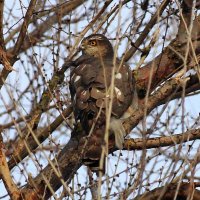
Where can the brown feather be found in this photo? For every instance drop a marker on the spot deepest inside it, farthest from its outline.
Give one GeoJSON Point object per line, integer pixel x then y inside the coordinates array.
{"type": "Point", "coordinates": [88, 84]}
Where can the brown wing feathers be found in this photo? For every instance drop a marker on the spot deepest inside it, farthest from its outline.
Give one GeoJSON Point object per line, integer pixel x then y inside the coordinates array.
{"type": "Point", "coordinates": [89, 83]}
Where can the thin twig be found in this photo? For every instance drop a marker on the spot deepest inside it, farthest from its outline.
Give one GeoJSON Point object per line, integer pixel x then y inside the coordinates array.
{"type": "Point", "coordinates": [20, 150]}
{"type": "Point", "coordinates": [36, 35]}
{"type": "Point", "coordinates": [1, 24]}
{"type": "Point", "coordinates": [146, 30]}
{"type": "Point", "coordinates": [23, 31]}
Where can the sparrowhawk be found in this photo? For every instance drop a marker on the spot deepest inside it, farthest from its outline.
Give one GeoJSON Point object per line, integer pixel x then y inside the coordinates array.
{"type": "Point", "coordinates": [102, 89]}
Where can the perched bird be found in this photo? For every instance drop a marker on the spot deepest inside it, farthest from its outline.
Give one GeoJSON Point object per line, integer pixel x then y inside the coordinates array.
{"type": "Point", "coordinates": [99, 85]}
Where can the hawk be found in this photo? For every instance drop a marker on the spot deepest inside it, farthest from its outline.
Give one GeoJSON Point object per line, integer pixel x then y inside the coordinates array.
{"type": "Point", "coordinates": [102, 90]}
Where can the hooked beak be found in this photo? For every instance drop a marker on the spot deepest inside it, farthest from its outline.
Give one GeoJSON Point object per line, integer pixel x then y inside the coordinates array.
{"type": "Point", "coordinates": [82, 47]}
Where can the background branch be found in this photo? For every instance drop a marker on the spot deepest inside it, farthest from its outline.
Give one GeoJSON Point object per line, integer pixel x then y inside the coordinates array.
{"type": "Point", "coordinates": [35, 104]}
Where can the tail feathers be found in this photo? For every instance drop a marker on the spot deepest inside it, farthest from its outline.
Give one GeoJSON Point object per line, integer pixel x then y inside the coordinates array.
{"type": "Point", "coordinates": [94, 166]}
{"type": "Point", "coordinates": [119, 132]}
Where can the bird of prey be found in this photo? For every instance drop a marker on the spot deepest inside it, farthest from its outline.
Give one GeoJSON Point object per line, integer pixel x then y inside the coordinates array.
{"type": "Point", "coordinates": [102, 90]}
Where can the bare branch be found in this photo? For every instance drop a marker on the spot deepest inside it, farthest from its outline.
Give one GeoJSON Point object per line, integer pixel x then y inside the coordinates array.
{"type": "Point", "coordinates": [1, 24]}
{"type": "Point", "coordinates": [106, 4]}
{"type": "Point", "coordinates": [70, 155]}
{"type": "Point", "coordinates": [4, 60]}
{"type": "Point", "coordinates": [20, 150]}
{"type": "Point", "coordinates": [28, 120]}
{"type": "Point", "coordinates": [164, 93]}
{"type": "Point", "coordinates": [170, 60]}
{"type": "Point", "coordinates": [146, 30]}
{"type": "Point", "coordinates": [13, 191]}
{"type": "Point", "coordinates": [36, 36]}
{"type": "Point", "coordinates": [139, 144]}
{"type": "Point", "coordinates": [185, 191]}
{"type": "Point", "coordinates": [23, 31]}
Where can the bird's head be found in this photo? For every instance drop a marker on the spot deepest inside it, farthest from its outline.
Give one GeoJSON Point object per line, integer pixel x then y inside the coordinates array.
{"type": "Point", "coordinates": [97, 45]}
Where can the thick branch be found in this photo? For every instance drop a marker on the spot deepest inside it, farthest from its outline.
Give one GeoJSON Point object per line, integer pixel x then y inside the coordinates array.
{"type": "Point", "coordinates": [4, 59]}
{"type": "Point", "coordinates": [47, 96]}
{"type": "Point", "coordinates": [69, 159]}
{"type": "Point", "coordinates": [31, 126]}
{"type": "Point", "coordinates": [72, 151]}
{"type": "Point", "coordinates": [163, 94]}
{"type": "Point", "coordinates": [23, 31]}
{"type": "Point", "coordinates": [191, 86]}
{"type": "Point", "coordinates": [185, 191]}
{"type": "Point", "coordinates": [70, 155]}
{"type": "Point", "coordinates": [171, 59]}
{"type": "Point", "coordinates": [139, 144]}
{"type": "Point", "coordinates": [6, 176]}
{"type": "Point", "coordinates": [20, 150]}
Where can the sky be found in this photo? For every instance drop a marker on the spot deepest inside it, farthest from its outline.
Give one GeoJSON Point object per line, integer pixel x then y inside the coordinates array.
{"type": "Point", "coordinates": [18, 80]}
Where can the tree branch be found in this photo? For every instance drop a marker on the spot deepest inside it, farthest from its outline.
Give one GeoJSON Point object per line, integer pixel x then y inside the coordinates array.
{"type": "Point", "coordinates": [6, 176]}
{"type": "Point", "coordinates": [170, 60]}
{"type": "Point", "coordinates": [36, 36]}
{"type": "Point", "coordinates": [69, 160]}
{"type": "Point", "coordinates": [23, 31]}
{"type": "Point", "coordinates": [146, 30]}
{"type": "Point", "coordinates": [4, 59]}
{"type": "Point", "coordinates": [185, 191]}
{"type": "Point", "coordinates": [1, 24]}
{"type": "Point", "coordinates": [20, 149]}
{"type": "Point", "coordinates": [139, 144]}
{"type": "Point", "coordinates": [47, 96]}
{"type": "Point", "coordinates": [70, 155]}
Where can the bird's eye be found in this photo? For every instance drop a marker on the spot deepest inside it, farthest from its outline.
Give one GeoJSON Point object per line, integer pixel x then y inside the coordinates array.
{"type": "Point", "coordinates": [92, 42]}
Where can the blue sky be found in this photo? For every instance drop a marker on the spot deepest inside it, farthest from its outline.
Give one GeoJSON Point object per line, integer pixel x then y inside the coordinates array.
{"type": "Point", "coordinates": [18, 81]}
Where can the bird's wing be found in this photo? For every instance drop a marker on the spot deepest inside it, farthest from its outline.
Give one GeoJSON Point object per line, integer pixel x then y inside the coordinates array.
{"type": "Point", "coordinates": [93, 85]}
